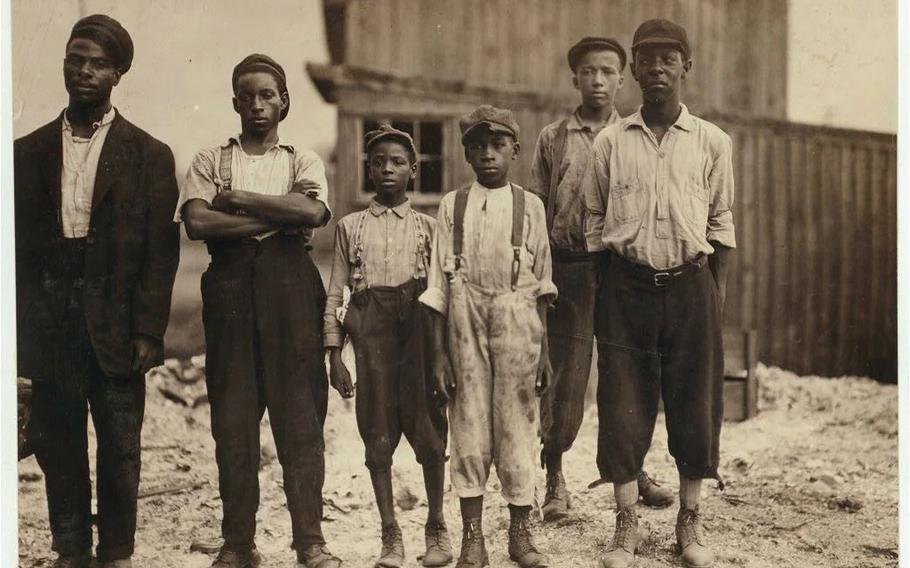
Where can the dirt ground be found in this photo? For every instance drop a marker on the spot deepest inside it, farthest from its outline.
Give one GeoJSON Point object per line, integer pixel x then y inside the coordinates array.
{"type": "Point", "coordinates": [812, 481]}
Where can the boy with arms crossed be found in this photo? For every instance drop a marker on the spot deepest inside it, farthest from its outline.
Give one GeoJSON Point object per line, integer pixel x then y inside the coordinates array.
{"type": "Point", "coordinates": [382, 254]}
{"type": "Point", "coordinates": [250, 199]}
{"type": "Point", "coordinates": [659, 192]}
{"type": "Point", "coordinates": [560, 159]}
{"type": "Point", "coordinates": [489, 285]}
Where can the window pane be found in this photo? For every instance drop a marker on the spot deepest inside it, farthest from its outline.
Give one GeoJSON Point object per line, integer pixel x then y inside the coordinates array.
{"type": "Point", "coordinates": [431, 138]}
{"type": "Point", "coordinates": [430, 177]}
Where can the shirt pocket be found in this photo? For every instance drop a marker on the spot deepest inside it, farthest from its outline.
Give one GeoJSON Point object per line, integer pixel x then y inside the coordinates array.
{"type": "Point", "coordinates": [695, 202]}
{"type": "Point", "coordinates": [627, 199]}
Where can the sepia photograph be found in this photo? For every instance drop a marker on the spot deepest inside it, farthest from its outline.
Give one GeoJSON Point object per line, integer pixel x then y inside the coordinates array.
{"type": "Point", "coordinates": [468, 283]}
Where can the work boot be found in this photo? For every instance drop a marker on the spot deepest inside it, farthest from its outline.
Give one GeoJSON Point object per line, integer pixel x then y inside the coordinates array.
{"type": "Point", "coordinates": [392, 555]}
{"type": "Point", "coordinates": [690, 536]}
{"type": "Point", "coordinates": [439, 547]}
{"type": "Point", "coordinates": [122, 563]}
{"type": "Point", "coordinates": [521, 546]}
{"type": "Point", "coordinates": [317, 556]}
{"type": "Point", "coordinates": [557, 502]}
{"type": "Point", "coordinates": [473, 549]}
{"type": "Point", "coordinates": [249, 558]}
{"type": "Point", "coordinates": [82, 560]}
{"type": "Point", "coordinates": [652, 494]}
{"type": "Point", "coordinates": [625, 541]}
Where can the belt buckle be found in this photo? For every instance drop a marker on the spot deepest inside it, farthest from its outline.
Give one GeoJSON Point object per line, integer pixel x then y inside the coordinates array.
{"type": "Point", "coordinates": [661, 278]}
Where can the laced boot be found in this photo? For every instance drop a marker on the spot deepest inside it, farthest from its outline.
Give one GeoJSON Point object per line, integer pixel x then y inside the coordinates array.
{"type": "Point", "coordinates": [557, 502]}
{"type": "Point", "coordinates": [439, 547]}
{"type": "Point", "coordinates": [317, 556]}
{"type": "Point", "coordinates": [392, 555]}
{"type": "Point", "coordinates": [521, 546]}
{"type": "Point", "coordinates": [652, 494]}
{"type": "Point", "coordinates": [690, 536]}
{"type": "Point", "coordinates": [473, 549]}
{"type": "Point", "coordinates": [625, 541]}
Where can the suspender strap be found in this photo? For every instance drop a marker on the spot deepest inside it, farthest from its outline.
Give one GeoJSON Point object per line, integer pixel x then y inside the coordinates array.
{"type": "Point", "coordinates": [461, 203]}
{"type": "Point", "coordinates": [224, 168]}
{"type": "Point", "coordinates": [356, 258]}
{"type": "Point", "coordinates": [559, 151]}
{"type": "Point", "coordinates": [518, 229]}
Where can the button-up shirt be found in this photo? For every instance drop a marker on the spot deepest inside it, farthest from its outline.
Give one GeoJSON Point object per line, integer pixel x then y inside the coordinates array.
{"type": "Point", "coordinates": [568, 228]}
{"type": "Point", "coordinates": [77, 177]}
{"type": "Point", "coordinates": [266, 174]}
{"type": "Point", "coordinates": [390, 255]}
{"type": "Point", "coordinates": [487, 255]}
{"type": "Point", "coordinates": [659, 204]}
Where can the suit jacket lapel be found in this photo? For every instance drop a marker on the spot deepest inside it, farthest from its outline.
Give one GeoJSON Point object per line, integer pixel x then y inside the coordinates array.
{"type": "Point", "coordinates": [114, 155]}
{"type": "Point", "coordinates": [51, 174]}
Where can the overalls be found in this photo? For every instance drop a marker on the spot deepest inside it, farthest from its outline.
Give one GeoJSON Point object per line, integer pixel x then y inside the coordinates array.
{"type": "Point", "coordinates": [494, 343]}
{"type": "Point", "coordinates": [394, 361]}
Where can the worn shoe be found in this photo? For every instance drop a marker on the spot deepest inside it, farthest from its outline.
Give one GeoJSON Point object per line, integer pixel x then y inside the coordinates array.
{"type": "Point", "coordinates": [473, 549]}
{"type": "Point", "coordinates": [249, 558]}
{"type": "Point", "coordinates": [690, 536]}
{"type": "Point", "coordinates": [625, 541]}
{"type": "Point", "coordinates": [77, 561]}
{"type": "Point", "coordinates": [521, 546]}
{"type": "Point", "coordinates": [392, 555]}
{"type": "Point", "coordinates": [439, 547]}
{"type": "Point", "coordinates": [317, 556]}
{"type": "Point", "coordinates": [557, 502]}
{"type": "Point", "coordinates": [122, 563]}
{"type": "Point", "coordinates": [652, 494]}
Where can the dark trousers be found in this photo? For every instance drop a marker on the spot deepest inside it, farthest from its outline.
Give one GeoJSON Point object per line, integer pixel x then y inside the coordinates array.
{"type": "Point", "coordinates": [262, 310]}
{"type": "Point", "coordinates": [570, 328]}
{"type": "Point", "coordinates": [393, 346]}
{"type": "Point", "coordinates": [659, 341]}
{"type": "Point", "coordinates": [59, 424]}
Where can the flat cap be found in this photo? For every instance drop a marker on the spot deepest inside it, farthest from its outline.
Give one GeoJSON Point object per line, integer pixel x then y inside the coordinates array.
{"type": "Point", "coordinates": [110, 35]}
{"type": "Point", "coordinates": [587, 44]}
{"type": "Point", "coordinates": [495, 119]}
{"type": "Point", "coordinates": [661, 32]}
{"type": "Point", "coordinates": [257, 62]}
{"type": "Point", "coordinates": [387, 132]}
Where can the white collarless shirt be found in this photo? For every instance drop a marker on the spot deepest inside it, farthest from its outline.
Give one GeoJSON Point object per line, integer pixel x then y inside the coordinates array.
{"type": "Point", "coordinates": [77, 176]}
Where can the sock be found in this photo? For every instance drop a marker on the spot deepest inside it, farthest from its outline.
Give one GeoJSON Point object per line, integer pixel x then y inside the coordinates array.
{"type": "Point", "coordinates": [689, 492]}
{"type": "Point", "coordinates": [626, 494]}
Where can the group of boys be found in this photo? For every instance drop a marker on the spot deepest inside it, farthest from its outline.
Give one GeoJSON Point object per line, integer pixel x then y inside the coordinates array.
{"type": "Point", "coordinates": [454, 321]}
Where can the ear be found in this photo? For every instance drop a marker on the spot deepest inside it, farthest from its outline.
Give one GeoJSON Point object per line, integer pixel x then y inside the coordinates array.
{"type": "Point", "coordinates": [284, 100]}
{"type": "Point", "coordinates": [413, 170]}
{"type": "Point", "coordinates": [117, 75]}
{"type": "Point", "coordinates": [236, 104]}
{"type": "Point", "coordinates": [687, 66]}
{"type": "Point", "coordinates": [622, 79]}
{"type": "Point", "coordinates": [516, 150]}
{"type": "Point", "coordinates": [575, 81]}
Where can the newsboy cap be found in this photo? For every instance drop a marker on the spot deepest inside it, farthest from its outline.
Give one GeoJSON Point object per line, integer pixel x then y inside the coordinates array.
{"type": "Point", "coordinates": [387, 132]}
{"type": "Point", "coordinates": [661, 32]}
{"type": "Point", "coordinates": [257, 62]}
{"type": "Point", "coordinates": [110, 35]}
{"type": "Point", "coordinates": [495, 119]}
{"type": "Point", "coordinates": [587, 44]}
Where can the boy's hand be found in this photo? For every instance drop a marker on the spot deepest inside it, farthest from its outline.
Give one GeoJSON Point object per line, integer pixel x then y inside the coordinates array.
{"type": "Point", "coordinates": [544, 373]}
{"type": "Point", "coordinates": [339, 375]}
{"type": "Point", "coordinates": [443, 379]}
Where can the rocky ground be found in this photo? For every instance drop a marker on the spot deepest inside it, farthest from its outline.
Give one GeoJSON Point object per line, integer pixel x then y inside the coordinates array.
{"type": "Point", "coordinates": [812, 481]}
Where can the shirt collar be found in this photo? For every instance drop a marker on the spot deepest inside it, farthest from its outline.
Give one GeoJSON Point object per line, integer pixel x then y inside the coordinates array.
{"type": "Point", "coordinates": [105, 120]}
{"type": "Point", "coordinates": [235, 139]}
{"type": "Point", "coordinates": [575, 122]}
{"type": "Point", "coordinates": [378, 209]}
{"type": "Point", "coordinates": [684, 121]}
{"type": "Point", "coordinates": [483, 189]}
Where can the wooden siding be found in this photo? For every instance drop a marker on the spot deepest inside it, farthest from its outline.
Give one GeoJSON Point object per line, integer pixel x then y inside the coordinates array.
{"type": "Point", "coordinates": [739, 46]}
{"type": "Point", "coordinates": [815, 270]}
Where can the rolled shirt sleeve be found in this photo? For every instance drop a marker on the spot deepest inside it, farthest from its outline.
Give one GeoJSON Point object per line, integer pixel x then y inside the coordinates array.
{"type": "Point", "coordinates": [720, 180]}
{"type": "Point", "coordinates": [436, 296]}
{"type": "Point", "coordinates": [596, 182]}
{"type": "Point", "coordinates": [200, 182]}
{"type": "Point", "coordinates": [538, 242]}
{"type": "Point", "coordinates": [539, 183]}
{"type": "Point", "coordinates": [310, 167]}
{"type": "Point", "coordinates": [332, 330]}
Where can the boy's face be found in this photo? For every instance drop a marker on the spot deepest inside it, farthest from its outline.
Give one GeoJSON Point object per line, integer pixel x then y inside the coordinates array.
{"type": "Point", "coordinates": [659, 71]}
{"type": "Point", "coordinates": [490, 154]}
{"type": "Point", "coordinates": [598, 77]}
{"type": "Point", "coordinates": [88, 72]}
{"type": "Point", "coordinates": [390, 167]}
{"type": "Point", "coordinates": [258, 102]}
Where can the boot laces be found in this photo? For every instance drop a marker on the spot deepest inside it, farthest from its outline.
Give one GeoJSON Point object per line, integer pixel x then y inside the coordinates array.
{"type": "Point", "coordinates": [626, 523]}
{"type": "Point", "coordinates": [391, 535]}
{"type": "Point", "coordinates": [436, 530]}
{"type": "Point", "coordinates": [520, 537]}
{"type": "Point", "coordinates": [646, 479]}
{"type": "Point", "coordinates": [690, 524]}
{"type": "Point", "coordinates": [555, 483]}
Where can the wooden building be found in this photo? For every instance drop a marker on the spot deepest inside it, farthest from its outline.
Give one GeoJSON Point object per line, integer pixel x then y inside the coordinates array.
{"type": "Point", "coordinates": [806, 196]}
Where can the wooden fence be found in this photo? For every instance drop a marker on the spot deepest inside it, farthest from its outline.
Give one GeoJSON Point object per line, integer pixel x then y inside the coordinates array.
{"type": "Point", "coordinates": [816, 267]}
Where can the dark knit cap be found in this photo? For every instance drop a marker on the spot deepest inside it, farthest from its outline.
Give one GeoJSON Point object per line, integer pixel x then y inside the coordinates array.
{"type": "Point", "coordinates": [258, 62]}
{"type": "Point", "coordinates": [387, 132]}
{"type": "Point", "coordinates": [587, 44]}
{"type": "Point", "coordinates": [110, 35]}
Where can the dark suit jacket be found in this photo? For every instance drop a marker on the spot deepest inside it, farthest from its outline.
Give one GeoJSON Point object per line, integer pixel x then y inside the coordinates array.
{"type": "Point", "coordinates": [131, 251]}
